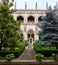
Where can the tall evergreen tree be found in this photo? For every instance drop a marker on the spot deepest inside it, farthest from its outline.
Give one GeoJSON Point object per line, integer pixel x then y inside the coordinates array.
{"type": "Point", "coordinates": [9, 35]}
{"type": "Point", "coordinates": [49, 26]}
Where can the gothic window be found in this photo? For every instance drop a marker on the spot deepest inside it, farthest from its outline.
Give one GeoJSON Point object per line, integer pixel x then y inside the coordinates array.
{"type": "Point", "coordinates": [20, 18]}
{"type": "Point", "coordinates": [39, 18]}
{"type": "Point", "coordinates": [30, 19]}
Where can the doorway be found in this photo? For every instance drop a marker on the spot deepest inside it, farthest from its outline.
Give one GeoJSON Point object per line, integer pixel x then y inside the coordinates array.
{"type": "Point", "coordinates": [30, 36]}
{"type": "Point", "coordinates": [31, 41]}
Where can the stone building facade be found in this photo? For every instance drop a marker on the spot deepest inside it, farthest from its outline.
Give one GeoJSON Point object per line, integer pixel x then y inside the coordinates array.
{"type": "Point", "coordinates": [29, 20]}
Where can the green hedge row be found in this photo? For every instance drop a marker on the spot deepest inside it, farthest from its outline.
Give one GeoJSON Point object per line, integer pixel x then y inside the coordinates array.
{"type": "Point", "coordinates": [47, 52]}
{"type": "Point", "coordinates": [17, 52]}
{"type": "Point", "coordinates": [4, 53]}
{"type": "Point", "coordinates": [44, 48]}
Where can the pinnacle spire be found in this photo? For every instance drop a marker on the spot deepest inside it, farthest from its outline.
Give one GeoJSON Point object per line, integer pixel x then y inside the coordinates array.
{"type": "Point", "coordinates": [46, 5]}
{"type": "Point", "coordinates": [25, 5]}
{"type": "Point", "coordinates": [56, 5]}
{"type": "Point", "coordinates": [15, 6]}
{"type": "Point", "coordinates": [36, 5]}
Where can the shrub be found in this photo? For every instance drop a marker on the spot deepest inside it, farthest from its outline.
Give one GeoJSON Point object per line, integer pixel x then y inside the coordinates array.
{"type": "Point", "coordinates": [2, 58]}
{"type": "Point", "coordinates": [16, 49]}
{"type": "Point", "coordinates": [5, 49]}
{"type": "Point", "coordinates": [10, 56]}
{"type": "Point", "coordinates": [44, 48]}
{"type": "Point", "coordinates": [39, 56]}
{"type": "Point", "coordinates": [17, 52]}
{"type": "Point", "coordinates": [47, 44]}
{"type": "Point", "coordinates": [48, 58]}
{"type": "Point", "coordinates": [25, 42]}
{"type": "Point", "coordinates": [55, 56]}
{"type": "Point", "coordinates": [36, 45]}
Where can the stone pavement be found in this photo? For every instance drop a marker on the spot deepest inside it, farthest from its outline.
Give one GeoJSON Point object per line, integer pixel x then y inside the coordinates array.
{"type": "Point", "coordinates": [28, 54]}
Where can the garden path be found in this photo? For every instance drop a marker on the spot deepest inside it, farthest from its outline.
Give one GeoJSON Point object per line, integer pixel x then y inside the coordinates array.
{"type": "Point", "coordinates": [28, 54]}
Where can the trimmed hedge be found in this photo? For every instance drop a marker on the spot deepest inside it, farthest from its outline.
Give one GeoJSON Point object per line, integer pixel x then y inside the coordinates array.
{"type": "Point", "coordinates": [44, 48]}
{"type": "Point", "coordinates": [17, 53]}
{"type": "Point", "coordinates": [47, 52]}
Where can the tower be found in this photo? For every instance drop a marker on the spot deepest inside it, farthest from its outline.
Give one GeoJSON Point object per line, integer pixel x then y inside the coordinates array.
{"type": "Point", "coordinates": [25, 5]}
{"type": "Point", "coordinates": [46, 5]}
{"type": "Point", "coordinates": [36, 6]}
{"type": "Point", "coordinates": [56, 5]}
{"type": "Point", "coordinates": [15, 6]}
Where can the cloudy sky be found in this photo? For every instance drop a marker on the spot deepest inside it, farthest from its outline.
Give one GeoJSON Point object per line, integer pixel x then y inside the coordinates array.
{"type": "Point", "coordinates": [20, 4]}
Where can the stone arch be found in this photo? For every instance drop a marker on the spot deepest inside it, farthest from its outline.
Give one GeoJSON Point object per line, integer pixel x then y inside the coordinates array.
{"type": "Point", "coordinates": [20, 18]}
{"type": "Point", "coordinates": [39, 18]}
{"type": "Point", "coordinates": [30, 31]}
{"type": "Point", "coordinates": [30, 18]}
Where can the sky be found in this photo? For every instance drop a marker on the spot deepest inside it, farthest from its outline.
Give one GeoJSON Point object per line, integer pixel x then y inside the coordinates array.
{"type": "Point", "coordinates": [41, 4]}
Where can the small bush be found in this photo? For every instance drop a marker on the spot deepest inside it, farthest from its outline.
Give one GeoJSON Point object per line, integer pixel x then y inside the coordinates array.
{"type": "Point", "coordinates": [25, 42]}
{"type": "Point", "coordinates": [10, 56]}
{"type": "Point", "coordinates": [47, 44]}
{"type": "Point", "coordinates": [5, 49]}
{"type": "Point", "coordinates": [2, 58]}
{"type": "Point", "coordinates": [44, 48]}
{"type": "Point", "coordinates": [48, 58]}
{"type": "Point", "coordinates": [55, 56]}
{"type": "Point", "coordinates": [39, 56]}
{"type": "Point", "coordinates": [17, 49]}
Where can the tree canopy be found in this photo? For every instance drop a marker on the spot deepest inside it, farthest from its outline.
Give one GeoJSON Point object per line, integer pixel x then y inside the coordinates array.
{"type": "Point", "coordinates": [49, 26]}
{"type": "Point", "coordinates": [9, 35]}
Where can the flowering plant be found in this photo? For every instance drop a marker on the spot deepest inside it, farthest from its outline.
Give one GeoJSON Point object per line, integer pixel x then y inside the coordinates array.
{"type": "Point", "coordinates": [55, 56]}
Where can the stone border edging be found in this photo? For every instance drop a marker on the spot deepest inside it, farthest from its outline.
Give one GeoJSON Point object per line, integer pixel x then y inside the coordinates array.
{"type": "Point", "coordinates": [24, 62]}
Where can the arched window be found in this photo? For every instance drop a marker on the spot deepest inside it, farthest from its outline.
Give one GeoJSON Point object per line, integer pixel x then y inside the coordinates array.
{"type": "Point", "coordinates": [20, 18]}
{"type": "Point", "coordinates": [39, 18]}
{"type": "Point", "coordinates": [30, 18]}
